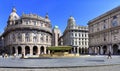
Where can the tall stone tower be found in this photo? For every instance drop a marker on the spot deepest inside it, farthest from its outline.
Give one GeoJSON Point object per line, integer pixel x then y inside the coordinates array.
{"type": "Point", "coordinates": [56, 36]}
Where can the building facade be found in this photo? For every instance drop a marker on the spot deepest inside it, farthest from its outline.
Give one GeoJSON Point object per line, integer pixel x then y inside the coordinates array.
{"type": "Point", "coordinates": [1, 44]}
{"type": "Point", "coordinates": [55, 36]}
{"type": "Point", "coordinates": [76, 36]}
{"type": "Point", "coordinates": [104, 33]}
{"type": "Point", "coordinates": [29, 34]}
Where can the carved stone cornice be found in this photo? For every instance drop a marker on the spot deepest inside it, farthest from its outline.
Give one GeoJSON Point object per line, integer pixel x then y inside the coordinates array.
{"type": "Point", "coordinates": [26, 27]}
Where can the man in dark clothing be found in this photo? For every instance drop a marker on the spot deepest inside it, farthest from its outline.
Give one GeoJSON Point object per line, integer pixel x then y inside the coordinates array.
{"type": "Point", "coordinates": [109, 55]}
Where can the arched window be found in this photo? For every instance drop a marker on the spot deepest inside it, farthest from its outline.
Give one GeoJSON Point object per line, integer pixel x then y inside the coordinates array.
{"type": "Point", "coordinates": [114, 21]}
{"type": "Point", "coordinates": [35, 37]}
{"type": "Point", "coordinates": [104, 26]}
{"type": "Point", "coordinates": [35, 22]}
{"type": "Point", "coordinates": [13, 37]}
{"type": "Point", "coordinates": [26, 22]}
{"type": "Point", "coordinates": [41, 38]}
{"type": "Point", "coordinates": [19, 37]}
{"type": "Point", "coordinates": [47, 38]}
{"type": "Point", "coordinates": [27, 37]}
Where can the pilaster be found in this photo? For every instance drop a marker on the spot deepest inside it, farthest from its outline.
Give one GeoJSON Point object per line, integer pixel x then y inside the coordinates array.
{"type": "Point", "coordinates": [31, 50]}
{"type": "Point", "coordinates": [38, 50]}
{"type": "Point", "coordinates": [44, 50]}
{"type": "Point", "coordinates": [101, 50]}
{"type": "Point", "coordinates": [77, 50]}
{"type": "Point", "coordinates": [16, 50]}
{"type": "Point", "coordinates": [23, 50]}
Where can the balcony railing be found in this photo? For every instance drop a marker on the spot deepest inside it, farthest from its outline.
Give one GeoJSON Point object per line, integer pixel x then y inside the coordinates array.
{"type": "Point", "coordinates": [21, 26]}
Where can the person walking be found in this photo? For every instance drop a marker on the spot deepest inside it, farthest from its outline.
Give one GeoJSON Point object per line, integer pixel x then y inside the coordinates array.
{"type": "Point", "coordinates": [109, 55]}
{"type": "Point", "coordinates": [3, 55]}
{"type": "Point", "coordinates": [14, 55]}
{"type": "Point", "coordinates": [22, 55]}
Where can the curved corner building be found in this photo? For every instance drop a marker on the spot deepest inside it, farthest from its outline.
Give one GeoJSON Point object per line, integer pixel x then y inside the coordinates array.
{"type": "Point", "coordinates": [29, 34]}
{"type": "Point", "coordinates": [76, 36]}
{"type": "Point", "coordinates": [104, 33]}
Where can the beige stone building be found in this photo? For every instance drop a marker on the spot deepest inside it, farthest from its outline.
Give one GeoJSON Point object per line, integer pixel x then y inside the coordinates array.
{"type": "Point", "coordinates": [104, 33]}
{"type": "Point", "coordinates": [76, 36]}
{"type": "Point", "coordinates": [29, 34]}
{"type": "Point", "coordinates": [55, 36]}
{"type": "Point", "coordinates": [1, 44]}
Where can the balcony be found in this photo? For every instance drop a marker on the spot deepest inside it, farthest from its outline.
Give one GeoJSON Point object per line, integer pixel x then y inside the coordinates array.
{"type": "Point", "coordinates": [21, 26]}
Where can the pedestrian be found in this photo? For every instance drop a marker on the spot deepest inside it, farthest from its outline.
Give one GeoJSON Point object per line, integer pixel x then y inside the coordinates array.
{"type": "Point", "coordinates": [22, 55]}
{"type": "Point", "coordinates": [14, 55]}
{"type": "Point", "coordinates": [3, 55]}
{"type": "Point", "coordinates": [109, 55]}
{"type": "Point", "coordinates": [6, 55]}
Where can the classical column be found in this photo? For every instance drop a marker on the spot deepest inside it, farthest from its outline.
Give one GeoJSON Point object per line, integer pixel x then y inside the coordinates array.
{"type": "Point", "coordinates": [48, 51]}
{"type": "Point", "coordinates": [38, 38]}
{"type": "Point", "coordinates": [109, 49]}
{"type": "Point", "coordinates": [38, 50]}
{"type": "Point", "coordinates": [74, 49]}
{"type": "Point", "coordinates": [101, 50]}
{"type": "Point", "coordinates": [31, 37]}
{"type": "Point", "coordinates": [44, 50]}
{"type": "Point", "coordinates": [23, 37]}
{"type": "Point", "coordinates": [31, 50]}
{"type": "Point", "coordinates": [77, 50]}
{"type": "Point", "coordinates": [44, 39]}
{"type": "Point", "coordinates": [11, 50]}
{"type": "Point", "coordinates": [23, 50]}
{"type": "Point", "coordinates": [95, 50]}
{"type": "Point", "coordinates": [16, 50]}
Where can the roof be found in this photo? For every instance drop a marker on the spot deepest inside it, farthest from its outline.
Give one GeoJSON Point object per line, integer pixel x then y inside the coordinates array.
{"type": "Point", "coordinates": [105, 14]}
{"type": "Point", "coordinates": [56, 27]}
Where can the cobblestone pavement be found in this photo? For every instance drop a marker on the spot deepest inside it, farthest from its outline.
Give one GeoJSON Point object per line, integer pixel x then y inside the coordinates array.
{"type": "Point", "coordinates": [99, 68]}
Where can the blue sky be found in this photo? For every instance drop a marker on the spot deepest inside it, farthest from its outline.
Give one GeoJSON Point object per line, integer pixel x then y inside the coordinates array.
{"type": "Point", "coordinates": [58, 10]}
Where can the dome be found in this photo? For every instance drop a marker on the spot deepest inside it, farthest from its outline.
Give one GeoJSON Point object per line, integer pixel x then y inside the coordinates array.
{"type": "Point", "coordinates": [46, 16]}
{"type": "Point", "coordinates": [13, 10]}
{"type": "Point", "coordinates": [71, 21]}
{"type": "Point", "coordinates": [13, 15]}
{"type": "Point", "coordinates": [71, 18]}
{"type": "Point", "coordinates": [56, 27]}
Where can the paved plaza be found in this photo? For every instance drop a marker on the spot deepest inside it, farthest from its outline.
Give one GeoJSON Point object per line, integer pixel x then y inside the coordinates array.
{"type": "Point", "coordinates": [83, 63]}
{"type": "Point", "coordinates": [100, 68]}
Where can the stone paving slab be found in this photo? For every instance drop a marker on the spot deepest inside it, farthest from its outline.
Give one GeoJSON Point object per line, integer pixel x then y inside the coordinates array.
{"type": "Point", "coordinates": [100, 68]}
{"type": "Point", "coordinates": [59, 63]}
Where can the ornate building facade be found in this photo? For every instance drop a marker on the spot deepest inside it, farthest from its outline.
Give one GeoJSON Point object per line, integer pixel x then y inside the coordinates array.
{"type": "Point", "coordinates": [76, 36]}
{"type": "Point", "coordinates": [104, 33]}
{"type": "Point", "coordinates": [56, 35]}
{"type": "Point", "coordinates": [1, 44]}
{"type": "Point", "coordinates": [29, 34]}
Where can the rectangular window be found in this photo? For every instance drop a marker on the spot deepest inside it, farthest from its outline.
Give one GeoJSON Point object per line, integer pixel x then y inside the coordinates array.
{"type": "Point", "coordinates": [75, 34]}
{"type": "Point", "coordinates": [79, 43]}
{"type": "Point", "coordinates": [27, 22]}
{"type": "Point", "coordinates": [114, 21]}
{"type": "Point", "coordinates": [35, 22]}
{"type": "Point", "coordinates": [85, 35]}
{"type": "Point", "coordinates": [79, 34]}
{"type": "Point", "coordinates": [82, 35]}
{"type": "Point", "coordinates": [114, 17]}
